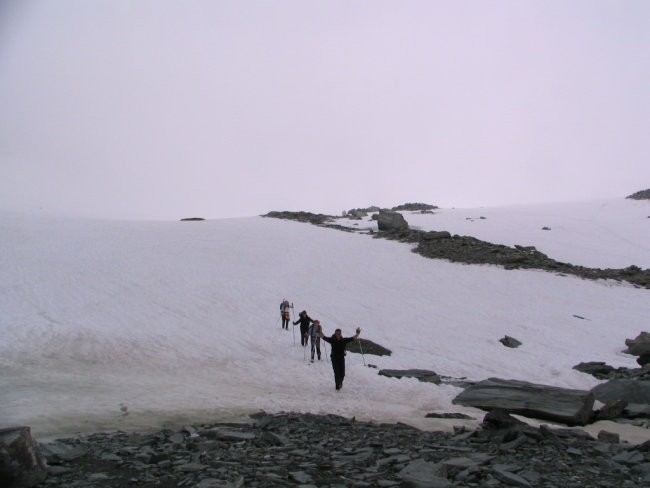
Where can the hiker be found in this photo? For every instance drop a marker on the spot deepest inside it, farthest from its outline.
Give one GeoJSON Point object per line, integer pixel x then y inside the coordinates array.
{"type": "Point", "coordinates": [304, 322]}
{"type": "Point", "coordinates": [284, 313]}
{"type": "Point", "coordinates": [338, 343]}
{"type": "Point", "coordinates": [314, 334]}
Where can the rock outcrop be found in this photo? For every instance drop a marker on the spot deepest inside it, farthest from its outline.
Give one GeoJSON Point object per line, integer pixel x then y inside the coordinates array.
{"type": "Point", "coordinates": [307, 217]}
{"type": "Point", "coordinates": [414, 207]}
{"type": "Point", "coordinates": [510, 342]}
{"type": "Point", "coordinates": [469, 250]}
{"type": "Point", "coordinates": [640, 195]}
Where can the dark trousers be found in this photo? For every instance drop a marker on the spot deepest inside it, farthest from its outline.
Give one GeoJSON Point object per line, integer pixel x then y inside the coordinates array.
{"type": "Point", "coordinates": [315, 343]}
{"type": "Point", "coordinates": [338, 365]}
{"type": "Point", "coordinates": [303, 331]}
{"type": "Point", "coordinates": [285, 321]}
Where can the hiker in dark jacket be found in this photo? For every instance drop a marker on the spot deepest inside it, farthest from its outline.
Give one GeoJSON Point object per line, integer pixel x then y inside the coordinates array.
{"type": "Point", "coordinates": [304, 322]}
{"type": "Point", "coordinates": [338, 343]}
{"type": "Point", "coordinates": [313, 333]}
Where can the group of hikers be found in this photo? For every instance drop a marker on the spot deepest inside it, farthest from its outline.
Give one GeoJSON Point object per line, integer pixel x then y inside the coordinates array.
{"type": "Point", "coordinates": [312, 330]}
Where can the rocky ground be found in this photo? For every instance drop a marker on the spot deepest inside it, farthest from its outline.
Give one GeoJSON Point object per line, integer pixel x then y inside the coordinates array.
{"type": "Point", "coordinates": [330, 451]}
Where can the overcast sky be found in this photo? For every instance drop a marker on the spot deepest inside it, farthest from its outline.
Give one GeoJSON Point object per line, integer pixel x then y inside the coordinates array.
{"type": "Point", "coordinates": [161, 109]}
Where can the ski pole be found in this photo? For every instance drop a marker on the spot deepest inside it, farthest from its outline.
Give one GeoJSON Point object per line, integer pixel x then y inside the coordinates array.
{"type": "Point", "coordinates": [293, 311]}
{"type": "Point", "coordinates": [361, 349]}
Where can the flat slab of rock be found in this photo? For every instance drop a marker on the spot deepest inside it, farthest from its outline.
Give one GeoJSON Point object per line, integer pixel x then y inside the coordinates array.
{"type": "Point", "coordinates": [227, 435]}
{"type": "Point", "coordinates": [421, 374]}
{"type": "Point", "coordinates": [572, 407]}
{"type": "Point", "coordinates": [56, 452]}
{"type": "Point", "coordinates": [423, 474]}
{"type": "Point", "coordinates": [598, 369]}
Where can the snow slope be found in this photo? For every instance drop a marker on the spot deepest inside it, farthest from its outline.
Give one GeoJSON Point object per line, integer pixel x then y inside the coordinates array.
{"type": "Point", "coordinates": [132, 325]}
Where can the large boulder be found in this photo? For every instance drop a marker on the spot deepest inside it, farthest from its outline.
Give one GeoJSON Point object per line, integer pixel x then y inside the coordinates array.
{"type": "Point", "coordinates": [387, 220]}
{"type": "Point", "coordinates": [22, 463]}
{"type": "Point", "coordinates": [639, 345]}
{"type": "Point", "coordinates": [632, 391]}
{"type": "Point", "coordinates": [366, 346]}
{"type": "Point", "coordinates": [572, 407]}
{"type": "Point", "coordinates": [510, 342]}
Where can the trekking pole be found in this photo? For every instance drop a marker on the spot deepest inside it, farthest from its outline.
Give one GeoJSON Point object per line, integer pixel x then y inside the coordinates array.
{"type": "Point", "coordinates": [293, 311]}
{"type": "Point", "coordinates": [362, 356]}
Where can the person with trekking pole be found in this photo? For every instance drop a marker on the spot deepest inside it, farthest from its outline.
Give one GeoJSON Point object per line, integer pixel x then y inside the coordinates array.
{"type": "Point", "coordinates": [284, 313]}
{"type": "Point", "coordinates": [313, 334]}
{"type": "Point", "coordinates": [338, 343]}
{"type": "Point", "coordinates": [304, 320]}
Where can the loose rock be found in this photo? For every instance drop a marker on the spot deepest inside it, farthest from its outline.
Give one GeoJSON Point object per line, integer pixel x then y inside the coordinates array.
{"type": "Point", "coordinates": [328, 451]}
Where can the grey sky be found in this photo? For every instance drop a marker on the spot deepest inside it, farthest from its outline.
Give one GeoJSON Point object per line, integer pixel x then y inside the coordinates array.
{"type": "Point", "coordinates": [169, 109]}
